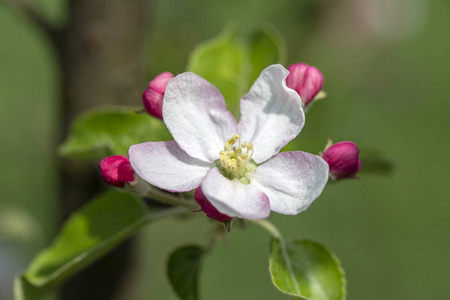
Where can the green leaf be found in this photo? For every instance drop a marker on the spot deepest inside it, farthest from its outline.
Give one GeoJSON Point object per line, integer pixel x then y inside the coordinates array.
{"type": "Point", "coordinates": [86, 236]}
{"type": "Point", "coordinates": [224, 62]}
{"type": "Point", "coordinates": [267, 47]}
{"type": "Point", "coordinates": [183, 269]}
{"type": "Point", "coordinates": [104, 132]}
{"type": "Point", "coordinates": [232, 61]}
{"type": "Point", "coordinates": [307, 270]}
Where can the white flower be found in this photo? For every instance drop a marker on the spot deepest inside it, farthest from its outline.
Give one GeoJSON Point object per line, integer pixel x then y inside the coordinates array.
{"type": "Point", "coordinates": [240, 179]}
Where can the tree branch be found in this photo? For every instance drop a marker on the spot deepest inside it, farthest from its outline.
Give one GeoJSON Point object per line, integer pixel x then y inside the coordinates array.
{"type": "Point", "coordinates": [28, 10]}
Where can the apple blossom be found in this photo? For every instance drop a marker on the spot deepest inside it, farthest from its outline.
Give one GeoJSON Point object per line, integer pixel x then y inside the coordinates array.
{"type": "Point", "coordinates": [306, 80]}
{"type": "Point", "coordinates": [153, 96]}
{"type": "Point", "coordinates": [237, 165]}
{"type": "Point", "coordinates": [343, 159]}
{"type": "Point", "coordinates": [116, 170]}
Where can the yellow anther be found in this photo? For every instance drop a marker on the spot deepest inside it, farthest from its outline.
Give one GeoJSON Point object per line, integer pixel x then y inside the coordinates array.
{"type": "Point", "coordinates": [233, 158]}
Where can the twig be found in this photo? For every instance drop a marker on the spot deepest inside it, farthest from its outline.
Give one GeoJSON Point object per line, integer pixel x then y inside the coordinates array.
{"type": "Point", "coordinates": [166, 213]}
{"type": "Point", "coordinates": [172, 199]}
{"type": "Point", "coordinates": [26, 8]}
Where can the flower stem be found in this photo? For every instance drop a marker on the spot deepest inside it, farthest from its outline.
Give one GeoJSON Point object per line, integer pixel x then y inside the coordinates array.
{"type": "Point", "coordinates": [269, 227]}
{"type": "Point", "coordinates": [218, 234]}
{"type": "Point", "coordinates": [169, 212]}
{"type": "Point", "coordinates": [171, 199]}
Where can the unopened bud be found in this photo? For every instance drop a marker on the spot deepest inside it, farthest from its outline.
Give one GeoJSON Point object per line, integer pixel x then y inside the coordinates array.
{"type": "Point", "coordinates": [209, 209]}
{"type": "Point", "coordinates": [306, 80]}
{"type": "Point", "coordinates": [343, 160]}
{"type": "Point", "coordinates": [116, 170]}
{"type": "Point", "coordinates": [154, 94]}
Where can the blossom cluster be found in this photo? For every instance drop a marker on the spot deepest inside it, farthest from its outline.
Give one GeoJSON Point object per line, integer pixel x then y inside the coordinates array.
{"type": "Point", "coordinates": [236, 168]}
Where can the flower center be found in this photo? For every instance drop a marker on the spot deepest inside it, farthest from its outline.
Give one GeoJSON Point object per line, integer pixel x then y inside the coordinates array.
{"type": "Point", "coordinates": [235, 159]}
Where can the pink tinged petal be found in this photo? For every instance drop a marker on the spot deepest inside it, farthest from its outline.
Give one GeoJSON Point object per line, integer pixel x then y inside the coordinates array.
{"type": "Point", "coordinates": [153, 103]}
{"type": "Point", "coordinates": [306, 80]}
{"type": "Point", "coordinates": [313, 84]}
{"type": "Point", "coordinates": [271, 114]}
{"type": "Point", "coordinates": [209, 209]}
{"type": "Point", "coordinates": [116, 170]}
{"type": "Point", "coordinates": [296, 75]}
{"type": "Point", "coordinates": [153, 96]}
{"type": "Point", "coordinates": [343, 159]}
{"type": "Point", "coordinates": [196, 115]}
{"type": "Point", "coordinates": [291, 180]}
{"type": "Point", "coordinates": [167, 166]}
{"type": "Point", "coordinates": [233, 198]}
{"type": "Point", "coordinates": [160, 82]}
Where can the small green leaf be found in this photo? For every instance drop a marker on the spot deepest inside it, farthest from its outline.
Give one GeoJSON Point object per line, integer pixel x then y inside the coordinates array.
{"type": "Point", "coordinates": [232, 61]}
{"type": "Point", "coordinates": [183, 269]}
{"type": "Point", "coordinates": [224, 62]}
{"type": "Point", "coordinates": [86, 236]}
{"type": "Point", "coordinates": [104, 132]}
{"type": "Point", "coordinates": [267, 47]}
{"type": "Point", "coordinates": [307, 270]}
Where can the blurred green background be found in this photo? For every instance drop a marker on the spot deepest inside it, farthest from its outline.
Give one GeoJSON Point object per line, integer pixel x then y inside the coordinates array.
{"type": "Point", "coordinates": [386, 68]}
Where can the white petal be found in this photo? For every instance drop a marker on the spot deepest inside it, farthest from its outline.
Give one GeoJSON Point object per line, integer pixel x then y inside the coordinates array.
{"type": "Point", "coordinates": [167, 166]}
{"type": "Point", "coordinates": [291, 180]}
{"type": "Point", "coordinates": [233, 198]}
{"type": "Point", "coordinates": [271, 114]}
{"type": "Point", "coordinates": [196, 115]}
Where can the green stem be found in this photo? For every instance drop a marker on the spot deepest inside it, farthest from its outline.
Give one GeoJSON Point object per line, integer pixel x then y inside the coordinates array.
{"type": "Point", "coordinates": [269, 227]}
{"type": "Point", "coordinates": [169, 212]}
{"type": "Point", "coordinates": [171, 199]}
{"type": "Point", "coordinates": [218, 234]}
{"type": "Point", "coordinates": [143, 189]}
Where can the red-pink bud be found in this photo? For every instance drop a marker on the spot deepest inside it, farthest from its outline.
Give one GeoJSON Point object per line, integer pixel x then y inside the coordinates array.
{"type": "Point", "coordinates": [209, 209]}
{"type": "Point", "coordinates": [154, 94]}
{"type": "Point", "coordinates": [116, 170]}
{"type": "Point", "coordinates": [306, 80]}
{"type": "Point", "coordinates": [343, 160]}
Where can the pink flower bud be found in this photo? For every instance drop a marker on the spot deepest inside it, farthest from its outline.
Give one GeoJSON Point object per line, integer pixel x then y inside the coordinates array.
{"type": "Point", "coordinates": [343, 160]}
{"type": "Point", "coordinates": [306, 80]}
{"type": "Point", "coordinates": [209, 209]}
{"type": "Point", "coordinates": [154, 94]}
{"type": "Point", "coordinates": [116, 170]}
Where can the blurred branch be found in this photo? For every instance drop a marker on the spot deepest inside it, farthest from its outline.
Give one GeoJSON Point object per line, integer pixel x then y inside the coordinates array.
{"type": "Point", "coordinates": [27, 9]}
{"type": "Point", "coordinates": [101, 51]}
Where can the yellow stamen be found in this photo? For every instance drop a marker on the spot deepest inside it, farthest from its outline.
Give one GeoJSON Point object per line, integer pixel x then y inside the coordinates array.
{"type": "Point", "coordinates": [233, 158]}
